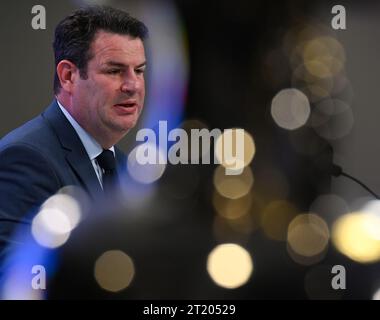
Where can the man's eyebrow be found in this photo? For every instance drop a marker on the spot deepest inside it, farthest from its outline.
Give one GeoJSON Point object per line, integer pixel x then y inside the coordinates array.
{"type": "Point", "coordinates": [122, 65]}
{"type": "Point", "coordinates": [142, 65]}
{"type": "Point", "coordinates": [115, 64]}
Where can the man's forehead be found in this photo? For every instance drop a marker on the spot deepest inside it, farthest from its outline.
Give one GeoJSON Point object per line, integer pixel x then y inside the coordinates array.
{"type": "Point", "coordinates": [106, 43]}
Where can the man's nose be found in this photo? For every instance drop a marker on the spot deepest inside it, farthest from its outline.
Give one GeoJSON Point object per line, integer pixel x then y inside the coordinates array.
{"type": "Point", "coordinates": [130, 83]}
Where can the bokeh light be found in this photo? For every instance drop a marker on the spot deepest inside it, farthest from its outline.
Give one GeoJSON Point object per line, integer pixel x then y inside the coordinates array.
{"type": "Point", "coordinates": [372, 207]}
{"type": "Point", "coordinates": [342, 89]}
{"type": "Point", "coordinates": [315, 88]}
{"type": "Point", "coordinates": [290, 109]}
{"type": "Point", "coordinates": [114, 270]}
{"type": "Point", "coordinates": [229, 265]}
{"type": "Point", "coordinates": [355, 235]}
{"type": "Point", "coordinates": [141, 170]}
{"type": "Point", "coordinates": [298, 37]}
{"type": "Point", "coordinates": [58, 216]}
{"type": "Point", "coordinates": [237, 225]}
{"type": "Point", "coordinates": [228, 143]}
{"type": "Point", "coordinates": [308, 237]}
{"type": "Point", "coordinates": [51, 228]}
{"type": "Point", "coordinates": [66, 203]}
{"type": "Point", "coordinates": [323, 56]}
{"type": "Point", "coordinates": [332, 119]}
{"type": "Point", "coordinates": [233, 186]}
{"type": "Point", "coordinates": [232, 208]}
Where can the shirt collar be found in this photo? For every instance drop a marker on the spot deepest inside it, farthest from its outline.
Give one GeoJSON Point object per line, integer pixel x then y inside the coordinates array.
{"type": "Point", "coordinates": [93, 148]}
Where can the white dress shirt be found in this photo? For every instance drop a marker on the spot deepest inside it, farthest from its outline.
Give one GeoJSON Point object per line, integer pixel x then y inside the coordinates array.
{"type": "Point", "coordinates": [93, 148]}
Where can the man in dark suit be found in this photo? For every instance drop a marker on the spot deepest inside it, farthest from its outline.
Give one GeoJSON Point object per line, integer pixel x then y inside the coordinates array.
{"type": "Point", "coordinates": [99, 94]}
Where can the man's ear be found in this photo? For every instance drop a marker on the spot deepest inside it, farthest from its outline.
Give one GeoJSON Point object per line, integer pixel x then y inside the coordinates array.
{"type": "Point", "coordinates": [67, 73]}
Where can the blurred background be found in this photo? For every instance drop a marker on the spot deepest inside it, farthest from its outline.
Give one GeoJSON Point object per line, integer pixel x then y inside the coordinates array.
{"type": "Point", "coordinates": [305, 95]}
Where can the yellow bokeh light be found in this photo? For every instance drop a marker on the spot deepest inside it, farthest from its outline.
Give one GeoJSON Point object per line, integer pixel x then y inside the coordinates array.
{"type": "Point", "coordinates": [232, 208]}
{"type": "Point", "coordinates": [308, 236]}
{"type": "Point", "coordinates": [227, 145]}
{"type": "Point", "coordinates": [353, 235]}
{"type": "Point", "coordinates": [323, 56]}
{"type": "Point", "coordinates": [229, 265]}
{"type": "Point", "coordinates": [317, 92]}
{"type": "Point", "coordinates": [298, 35]}
{"type": "Point", "coordinates": [297, 39]}
{"type": "Point", "coordinates": [318, 69]}
{"type": "Point", "coordinates": [239, 226]}
{"type": "Point", "coordinates": [317, 59]}
{"type": "Point", "coordinates": [276, 218]}
{"type": "Point", "coordinates": [233, 186]}
{"type": "Point", "coordinates": [314, 87]}
{"type": "Point", "coordinates": [114, 270]}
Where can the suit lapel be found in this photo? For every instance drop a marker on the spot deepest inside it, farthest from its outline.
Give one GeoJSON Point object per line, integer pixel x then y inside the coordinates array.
{"type": "Point", "coordinates": [76, 154]}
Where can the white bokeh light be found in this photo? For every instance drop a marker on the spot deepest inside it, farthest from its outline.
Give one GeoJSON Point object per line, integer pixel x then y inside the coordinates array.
{"type": "Point", "coordinates": [58, 216]}
{"type": "Point", "coordinates": [332, 119]}
{"type": "Point", "coordinates": [290, 109]}
{"type": "Point", "coordinates": [143, 171]}
{"type": "Point", "coordinates": [51, 228]}
{"type": "Point", "coordinates": [68, 205]}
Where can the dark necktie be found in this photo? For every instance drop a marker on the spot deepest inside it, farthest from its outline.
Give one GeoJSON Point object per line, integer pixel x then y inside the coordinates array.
{"type": "Point", "coordinates": [106, 161]}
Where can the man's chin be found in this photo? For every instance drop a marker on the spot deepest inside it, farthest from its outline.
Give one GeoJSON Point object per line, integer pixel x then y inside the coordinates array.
{"type": "Point", "coordinates": [127, 126]}
{"type": "Point", "coordinates": [122, 124]}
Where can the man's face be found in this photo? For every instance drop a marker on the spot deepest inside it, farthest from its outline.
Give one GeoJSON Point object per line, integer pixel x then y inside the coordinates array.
{"type": "Point", "coordinates": [111, 99]}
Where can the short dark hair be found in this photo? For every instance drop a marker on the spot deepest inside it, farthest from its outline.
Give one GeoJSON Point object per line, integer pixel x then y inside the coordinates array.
{"type": "Point", "coordinates": [74, 34]}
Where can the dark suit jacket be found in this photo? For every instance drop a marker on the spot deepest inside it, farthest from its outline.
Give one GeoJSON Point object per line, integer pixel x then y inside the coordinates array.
{"type": "Point", "coordinates": [36, 160]}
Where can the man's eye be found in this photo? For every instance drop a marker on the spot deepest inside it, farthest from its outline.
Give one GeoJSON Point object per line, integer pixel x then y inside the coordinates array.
{"type": "Point", "coordinates": [114, 71]}
{"type": "Point", "coordinates": [140, 71]}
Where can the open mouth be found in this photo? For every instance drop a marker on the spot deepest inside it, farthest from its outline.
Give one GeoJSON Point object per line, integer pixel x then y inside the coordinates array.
{"type": "Point", "coordinates": [126, 108]}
